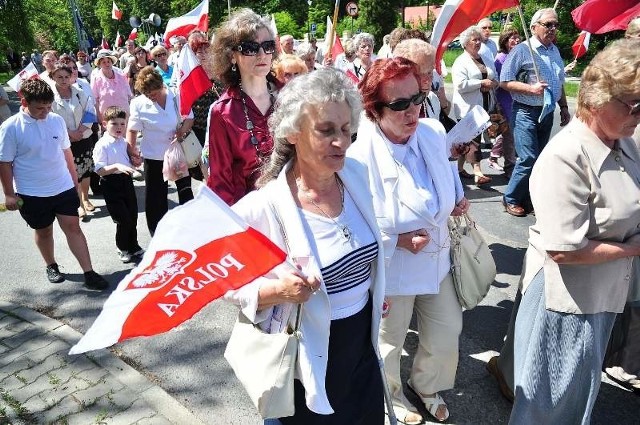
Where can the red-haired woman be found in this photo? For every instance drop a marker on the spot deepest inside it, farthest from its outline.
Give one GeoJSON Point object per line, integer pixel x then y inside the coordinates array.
{"type": "Point", "coordinates": [408, 160]}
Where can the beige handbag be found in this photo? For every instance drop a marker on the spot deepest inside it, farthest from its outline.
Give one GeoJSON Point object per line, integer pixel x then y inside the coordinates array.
{"type": "Point", "coordinates": [472, 265]}
{"type": "Point", "coordinates": [190, 144]}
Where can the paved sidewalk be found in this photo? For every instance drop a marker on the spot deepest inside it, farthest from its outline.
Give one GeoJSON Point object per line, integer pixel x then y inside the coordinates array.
{"type": "Point", "coordinates": [41, 384]}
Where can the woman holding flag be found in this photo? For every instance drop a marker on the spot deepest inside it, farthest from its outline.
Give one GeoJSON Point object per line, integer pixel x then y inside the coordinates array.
{"type": "Point", "coordinates": [239, 141]}
{"type": "Point", "coordinates": [311, 203]}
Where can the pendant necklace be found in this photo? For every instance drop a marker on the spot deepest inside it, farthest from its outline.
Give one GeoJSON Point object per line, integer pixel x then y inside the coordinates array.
{"type": "Point", "coordinates": [249, 124]}
{"type": "Point", "coordinates": [344, 231]}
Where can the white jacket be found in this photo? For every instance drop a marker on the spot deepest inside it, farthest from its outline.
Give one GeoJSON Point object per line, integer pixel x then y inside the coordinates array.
{"type": "Point", "coordinates": [316, 312]}
{"type": "Point", "coordinates": [393, 190]}
{"type": "Point", "coordinates": [466, 78]}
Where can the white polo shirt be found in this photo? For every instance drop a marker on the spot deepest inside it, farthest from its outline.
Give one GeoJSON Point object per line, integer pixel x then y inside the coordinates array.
{"type": "Point", "coordinates": [158, 125]}
{"type": "Point", "coordinates": [36, 149]}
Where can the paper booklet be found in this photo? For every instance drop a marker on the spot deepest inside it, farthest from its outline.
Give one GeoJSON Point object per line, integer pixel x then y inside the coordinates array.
{"type": "Point", "coordinates": [471, 125]}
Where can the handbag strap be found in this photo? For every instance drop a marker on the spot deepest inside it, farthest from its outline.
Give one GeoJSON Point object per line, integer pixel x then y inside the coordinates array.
{"type": "Point", "coordinates": [276, 214]}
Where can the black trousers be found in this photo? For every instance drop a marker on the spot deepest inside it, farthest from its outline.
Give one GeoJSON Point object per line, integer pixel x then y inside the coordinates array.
{"type": "Point", "coordinates": [120, 197]}
{"type": "Point", "coordinates": [156, 204]}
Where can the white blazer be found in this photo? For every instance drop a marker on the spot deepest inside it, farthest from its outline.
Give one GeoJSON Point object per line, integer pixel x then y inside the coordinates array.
{"type": "Point", "coordinates": [393, 189]}
{"type": "Point", "coordinates": [466, 78]}
{"type": "Point", "coordinates": [255, 208]}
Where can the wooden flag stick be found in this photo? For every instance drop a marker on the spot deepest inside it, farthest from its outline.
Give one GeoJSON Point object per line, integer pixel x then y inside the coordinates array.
{"type": "Point", "coordinates": [526, 35]}
{"type": "Point", "coordinates": [333, 32]}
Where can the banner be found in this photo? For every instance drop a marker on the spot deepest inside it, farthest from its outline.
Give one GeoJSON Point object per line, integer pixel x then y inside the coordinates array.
{"type": "Point", "coordinates": [29, 72]}
{"type": "Point", "coordinates": [200, 250]}
{"type": "Point", "coordinates": [198, 18]}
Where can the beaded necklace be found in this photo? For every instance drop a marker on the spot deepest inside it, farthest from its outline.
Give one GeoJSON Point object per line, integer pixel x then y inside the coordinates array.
{"type": "Point", "coordinates": [249, 124]}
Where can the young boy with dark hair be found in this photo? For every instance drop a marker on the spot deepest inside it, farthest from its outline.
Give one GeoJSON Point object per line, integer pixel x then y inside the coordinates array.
{"type": "Point", "coordinates": [114, 167]}
{"type": "Point", "coordinates": [35, 153]}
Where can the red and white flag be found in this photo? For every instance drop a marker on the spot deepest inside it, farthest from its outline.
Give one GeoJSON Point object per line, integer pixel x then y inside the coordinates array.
{"type": "Point", "coordinates": [119, 41]}
{"type": "Point", "coordinates": [581, 45]}
{"type": "Point", "coordinates": [193, 80]}
{"type": "Point", "coordinates": [200, 251]}
{"type": "Point", "coordinates": [29, 72]}
{"type": "Point", "coordinates": [105, 43]}
{"type": "Point", "coordinates": [602, 16]}
{"type": "Point", "coordinates": [198, 18]}
{"type": "Point", "coordinates": [337, 48]}
{"type": "Point", "coordinates": [116, 13]}
{"type": "Point", "coordinates": [458, 15]}
{"type": "Point", "coordinates": [133, 34]}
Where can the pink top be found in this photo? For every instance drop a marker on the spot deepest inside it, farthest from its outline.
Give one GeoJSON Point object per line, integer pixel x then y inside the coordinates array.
{"type": "Point", "coordinates": [110, 91]}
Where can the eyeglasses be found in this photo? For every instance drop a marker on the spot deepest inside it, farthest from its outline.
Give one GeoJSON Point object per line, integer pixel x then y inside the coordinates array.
{"type": "Point", "coordinates": [550, 25]}
{"type": "Point", "coordinates": [251, 48]}
{"type": "Point", "coordinates": [160, 55]}
{"type": "Point", "coordinates": [403, 104]}
{"type": "Point", "coordinates": [633, 109]}
{"type": "Point", "coordinates": [486, 28]}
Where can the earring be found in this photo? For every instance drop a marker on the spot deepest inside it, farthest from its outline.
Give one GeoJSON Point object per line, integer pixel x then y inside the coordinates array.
{"type": "Point", "coordinates": [233, 67]}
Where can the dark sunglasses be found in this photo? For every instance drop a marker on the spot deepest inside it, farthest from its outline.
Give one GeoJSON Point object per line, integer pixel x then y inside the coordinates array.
{"type": "Point", "coordinates": [403, 104]}
{"type": "Point", "coordinates": [550, 25]}
{"type": "Point", "coordinates": [160, 55]}
{"type": "Point", "coordinates": [251, 48]}
{"type": "Point", "coordinates": [633, 109]}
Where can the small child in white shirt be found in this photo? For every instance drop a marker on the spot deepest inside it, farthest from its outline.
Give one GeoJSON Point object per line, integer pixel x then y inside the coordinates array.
{"type": "Point", "coordinates": [116, 173]}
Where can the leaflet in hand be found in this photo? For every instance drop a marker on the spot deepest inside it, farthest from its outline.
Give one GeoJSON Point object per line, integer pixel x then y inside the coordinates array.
{"type": "Point", "coordinates": [471, 125]}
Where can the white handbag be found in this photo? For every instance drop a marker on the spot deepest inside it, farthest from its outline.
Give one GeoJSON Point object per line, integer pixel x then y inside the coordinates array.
{"type": "Point", "coordinates": [472, 265]}
{"type": "Point", "coordinates": [190, 144]}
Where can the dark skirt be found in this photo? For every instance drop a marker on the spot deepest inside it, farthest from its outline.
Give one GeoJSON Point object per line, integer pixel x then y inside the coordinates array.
{"type": "Point", "coordinates": [353, 381]}
{"type": "Point", "coordinates": [83, 156]}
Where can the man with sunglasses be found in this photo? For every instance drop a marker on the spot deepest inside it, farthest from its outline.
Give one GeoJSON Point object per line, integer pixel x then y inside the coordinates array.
{"type": "Point", "coordinates": [531, 131]}
{"type": "Point", "coordinates": [488, 48]}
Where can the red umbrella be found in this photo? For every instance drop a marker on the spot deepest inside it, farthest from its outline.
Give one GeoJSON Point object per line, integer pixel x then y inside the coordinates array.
{"type": "Point", "coordinates": [601, 16]}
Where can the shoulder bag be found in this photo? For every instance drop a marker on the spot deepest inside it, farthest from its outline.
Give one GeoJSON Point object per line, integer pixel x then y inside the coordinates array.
{"type": "Point", "coordinates": [265, 363]}
{"type": "Point", "coordinates": [190, 144]}
{"type": "Point", "coordinates": [472, 265]}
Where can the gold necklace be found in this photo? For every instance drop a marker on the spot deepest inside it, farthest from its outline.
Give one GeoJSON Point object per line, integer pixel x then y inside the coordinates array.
{"type": "Point", "coordinates": [344, 231]}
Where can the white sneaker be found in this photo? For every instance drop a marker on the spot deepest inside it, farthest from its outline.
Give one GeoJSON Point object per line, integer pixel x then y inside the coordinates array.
{"type": "Point", "coordinates": [493, 163]}
{"type": "Point", "coordinates": [124, 256]}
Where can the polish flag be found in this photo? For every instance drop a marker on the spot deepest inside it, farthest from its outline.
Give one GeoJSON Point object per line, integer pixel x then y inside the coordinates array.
{"type": "Point", "coordinates": [274, 30]}
{"type": "Point", "coordinates": [581, 45]}
{"type": "Point", "coordinates": [602, 16]}
{"type": "Point", "coordinates": [134, 34]}
{"type": "Point", "coordinates": [198, 18]}
{"type": "Point", "coordinates": [193, 80]}
{"type": "Point", "coordinates": [458, 15]}
{"type": "Point", "coordinates": [200, 251]}
{"type": "Point", "coordinates": [116, 13]}
{"type": "Point", "coordinates": [119, 41]}
{"type": "Point", "coordinates": [29, 72]}
{"type": "Point", "coordinates": [337, 48]}
{"type": "Point", "coordinates": [105, 43]}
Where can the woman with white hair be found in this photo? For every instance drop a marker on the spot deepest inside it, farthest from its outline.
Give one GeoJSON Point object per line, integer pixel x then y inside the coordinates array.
{"type": "Point", "coordinates": [363, 44]}
{"type": "Point", "coordinates": [311, 203]}
{"type": "Point", "coordinates": [307, 53]}
{"type": "Point", "coordinates": [474, 83]}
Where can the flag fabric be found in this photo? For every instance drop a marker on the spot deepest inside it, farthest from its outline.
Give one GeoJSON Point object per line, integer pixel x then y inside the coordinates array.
{"type": "Point", "coordinates": [119, 41]}
{"type": "Point", "coordinates": [200, 250]}
{"type": "Point", "coordinates": [274, 30]}
{"type": "Point", "coordinates": [601, 16]}
{"type": "Point", "coordinates": [133, 34]}
{"type": "Point", "coordinates": [581, 45]}
{"type": "Point", "coordinates": [337, 48]}
{"type": "Point", "coordinates": [198, 18]}
{"type": "Point", "coordinates": [193, 80]}
{"type": "Point", "coordinates": [116, 13]}
{"type": "Point", "coordinates": [29, 72]}
{"type": "Point", "coordinates": [458, 15]}
{"type": "Point", "coordinates": [105, 43]}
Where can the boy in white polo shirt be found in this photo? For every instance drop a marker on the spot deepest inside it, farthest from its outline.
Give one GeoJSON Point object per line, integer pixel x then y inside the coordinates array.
{"type": "Point", "coordinates": [35, 153]}
{"type": "Point", "coordinates": [113, 165]}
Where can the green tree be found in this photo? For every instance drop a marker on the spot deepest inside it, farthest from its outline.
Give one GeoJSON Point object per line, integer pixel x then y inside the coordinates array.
{"type": "Point", "coordinates": [379, 17]}
{"type": "Point", "coordinates": [287, 25]}
{"type": "Point", "coordinates": [51, 24]}
{"type": "Point", "coordinates": [13, 32]}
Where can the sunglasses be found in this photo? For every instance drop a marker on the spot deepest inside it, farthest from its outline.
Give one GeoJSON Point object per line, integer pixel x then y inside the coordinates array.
{"type": "Point", "coordinates": [251, 48]}
{"type": "Point", "coordinates": [403, 104]}
{"type": "Point", "coordinates": [550, 25]}
{"type": "Point", "coordinates": [160, 55]}
{"type": "Point", "coordinates": [633, 109]}
{"type": "Point", "coordinates": [485, 28]}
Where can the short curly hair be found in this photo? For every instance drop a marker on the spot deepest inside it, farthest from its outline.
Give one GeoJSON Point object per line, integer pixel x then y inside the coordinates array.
{"type": "Point", "coordinates": [242, 25]}
{"type": "Point", "coordinates": [36, 90]}
{"type": "Point", "coordinates": [148, 80]}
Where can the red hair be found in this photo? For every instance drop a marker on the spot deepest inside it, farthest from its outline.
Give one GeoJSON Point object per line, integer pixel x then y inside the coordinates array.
{"type": "Point", "coordinates": [381, 72]}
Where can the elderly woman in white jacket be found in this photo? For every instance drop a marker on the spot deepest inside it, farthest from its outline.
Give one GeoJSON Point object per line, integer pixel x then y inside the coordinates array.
{"type": "Point", "coordinates": [474, 83]}
{"type": "Point", "coordinates": [313, 194]}
{"type": "Point", "coordinates": [414, 191]}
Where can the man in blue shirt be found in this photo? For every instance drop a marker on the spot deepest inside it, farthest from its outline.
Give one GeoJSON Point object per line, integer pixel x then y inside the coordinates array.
{"type": "Point", "coordinates": [531, 131]}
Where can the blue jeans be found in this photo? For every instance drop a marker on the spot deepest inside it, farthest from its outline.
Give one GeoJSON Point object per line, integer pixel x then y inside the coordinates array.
{"type": "Point", "coordinates": [530, 137]}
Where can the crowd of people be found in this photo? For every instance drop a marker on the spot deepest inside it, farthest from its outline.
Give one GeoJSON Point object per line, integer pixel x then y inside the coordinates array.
{"type": "Point", "coordinates": [344, 163]}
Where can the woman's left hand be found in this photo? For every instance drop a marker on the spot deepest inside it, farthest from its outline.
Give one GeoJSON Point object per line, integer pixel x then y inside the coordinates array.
{"type": "Point", "coordinates": [461, 207]}
{"type": "Point", "coordinates": [414, 241]}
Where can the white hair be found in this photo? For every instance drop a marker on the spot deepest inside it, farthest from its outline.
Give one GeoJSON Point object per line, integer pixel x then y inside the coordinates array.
{"type": "Point", "coordinates": [468, 33]}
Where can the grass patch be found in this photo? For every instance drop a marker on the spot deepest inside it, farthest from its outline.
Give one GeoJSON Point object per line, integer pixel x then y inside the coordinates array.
{"type": "Point", "coordinates": [6, 76]}
{"type": "Point", "coordinates": [571, 88]}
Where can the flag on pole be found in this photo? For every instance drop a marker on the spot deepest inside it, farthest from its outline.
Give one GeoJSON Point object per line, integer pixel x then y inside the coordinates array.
{"type": "Point", "coordinates": [193, 80]}
{"type": "Point", "coordinates": [274, 30]}
{"type": "Point", "coordinates": [198, 18]}
{"type": "Point", "coordinates": [200, 251]}
{"type": "Point", "coordinates": [134, 34]}
{"type": "Point", "coordinates": [581, 45]}
{"type": "Point", "coordinates": [119, 41]}
{"type": "Point", "coordinates": [601, 16]}
{"type": "Point", "coordinates": [105, 43]}
{"type": "Point", "coordinates": [116, 13]}
{"type": "Point", "coordinates": [336, 48]}
{"type": "Point", "coordinates": [29, 72]}
{"type": "Point", "coordinates": [458, 15]}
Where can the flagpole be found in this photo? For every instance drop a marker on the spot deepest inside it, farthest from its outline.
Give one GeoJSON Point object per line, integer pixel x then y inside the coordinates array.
{"type": "Point", "coordinates": [333, 33]}
{"type": "Point", "coordinates": [555, 5]}
{"type": "Point", "coordinates": [526, 34]}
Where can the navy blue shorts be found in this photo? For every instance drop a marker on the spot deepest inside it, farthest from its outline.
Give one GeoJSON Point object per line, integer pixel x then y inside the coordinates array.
{"type": "Point", "coordinates": [40, 211]}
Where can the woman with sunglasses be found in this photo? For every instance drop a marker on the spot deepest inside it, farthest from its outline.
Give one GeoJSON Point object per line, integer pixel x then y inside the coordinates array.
{"type": "Point", "coordinates": [578, 265]}
{"type": "Point", "coordinates": [139, 61]}
{"type": "Point", "coordinates": [239, 141]}
{"type": "Point", "coordinates": [161, 55]}
{"type": "Point", "coordinates": [414, 190]}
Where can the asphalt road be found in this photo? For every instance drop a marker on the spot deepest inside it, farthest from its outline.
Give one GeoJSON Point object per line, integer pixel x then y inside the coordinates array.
{"type": "Point", "coordinates": [188, 362]}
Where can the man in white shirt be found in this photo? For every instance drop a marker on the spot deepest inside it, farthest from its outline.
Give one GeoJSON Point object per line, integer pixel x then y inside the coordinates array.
{"type": "Point", "coordinates": [488, 48]}
{"type": "Point", "coordinates": [35, 154]}
{"type": "Point", "coordinates": [131, 46]}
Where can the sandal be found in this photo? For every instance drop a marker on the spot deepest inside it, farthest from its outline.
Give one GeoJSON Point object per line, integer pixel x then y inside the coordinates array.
{"type": "Point", "coordinates": [432, 404]}
{"type": "Point", "coordinates": [89, 206]}
{"type": "Point", "coordinates": [406, 416]}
